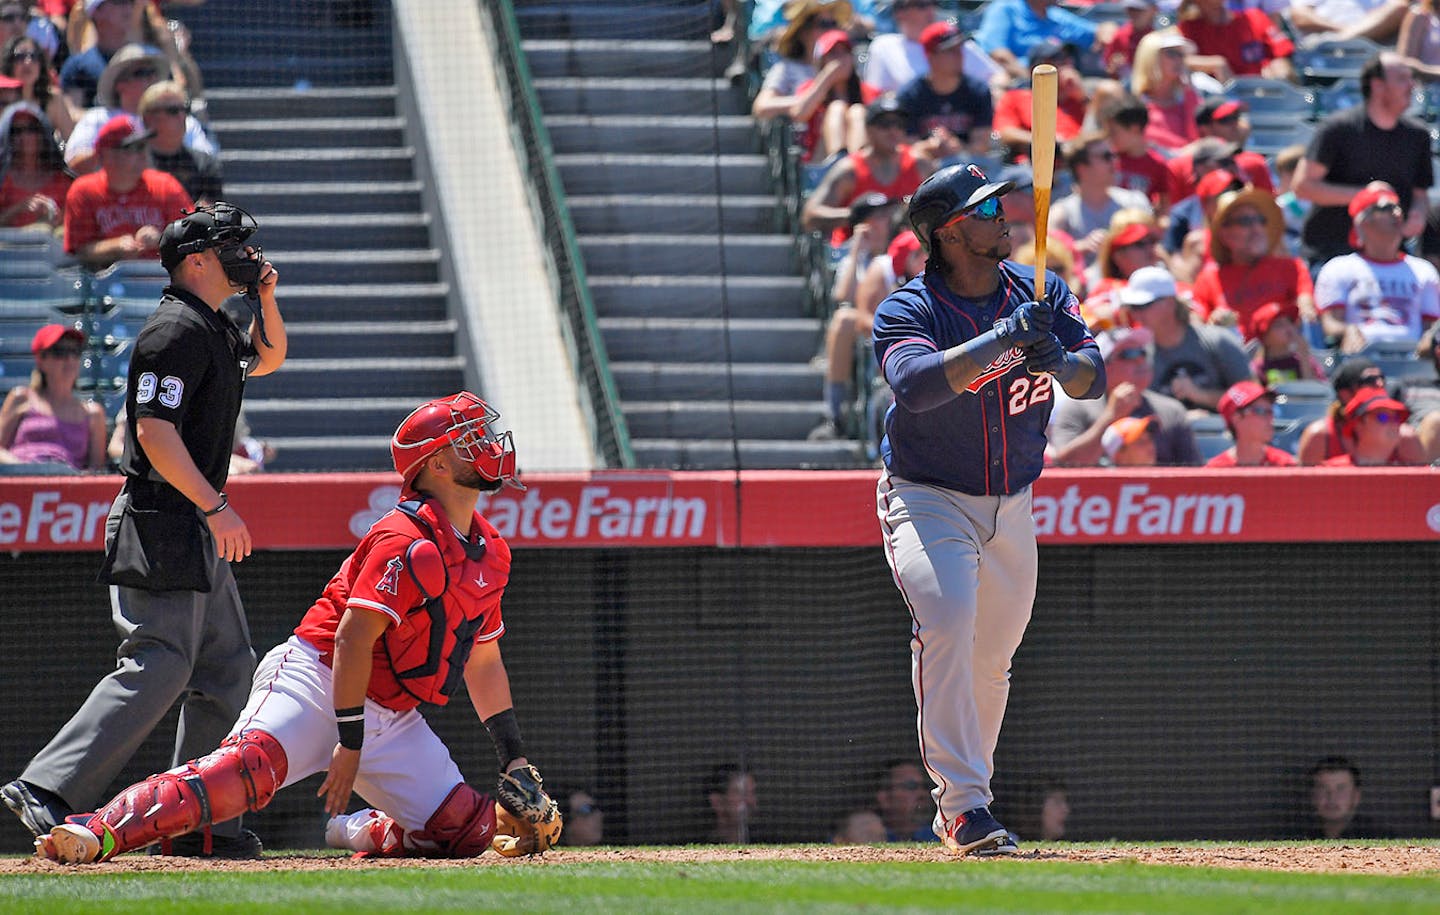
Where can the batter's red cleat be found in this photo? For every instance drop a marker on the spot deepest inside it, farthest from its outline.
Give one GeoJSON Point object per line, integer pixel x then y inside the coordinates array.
{"type": "Point", "coordinates": [68, 843]}
{"type": "Point", "coordinates": [976, 832]}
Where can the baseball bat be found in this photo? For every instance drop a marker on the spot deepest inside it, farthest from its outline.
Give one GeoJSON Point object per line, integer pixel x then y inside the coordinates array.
{"type": "Point", "coordinates": [1044, 83]}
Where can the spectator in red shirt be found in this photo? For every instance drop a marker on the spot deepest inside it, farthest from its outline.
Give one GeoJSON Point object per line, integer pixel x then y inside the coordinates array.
{"type": "Point", "coordinates": [1013, 112]}
{"type": "Point", "coordinates": [1161, 80]}
{"type": "Point", "coordinates": [1284, 354]}
{"type": "Point", "coordinates": [1249, 265]}
{"type": "Point", "coordinates": [1372, 428]}
{"type": "Point", "coordinates": [1138, 167]}
{"type": "Point", "coordinates": [1119, 51]}
{"type": "Point", "coordinates": [1249, 413]}
{"type": "Point", "coordinates": [118, 212]}
{"type": "Point", "coordinates": [837, 120]}
{"type": "Point", "coordinates": [1249, 41]}
{"type": "Point", "coordinates": [1224, 119]}
{"type": "Point", "coordinates": [1131, 243]}
{"type": "Point", "coordinates": [33, 179]}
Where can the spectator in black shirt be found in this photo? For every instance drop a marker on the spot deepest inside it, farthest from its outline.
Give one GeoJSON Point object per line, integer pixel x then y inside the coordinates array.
{"type": "Point", "coordinates": [164, 109]}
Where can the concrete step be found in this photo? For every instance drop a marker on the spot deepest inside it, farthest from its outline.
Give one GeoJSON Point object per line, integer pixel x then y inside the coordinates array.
{"type": "Point", "coordinates": [687, 381]}
{"type": "Point", "coordinates": [619, 20]}
{"type": "Point", "coordinates": [364, 164]}
{"type": "Point", "coordinates": [326, 197]}
{"type": "Point", "coordinates": [332, 301]}
{"type": "Point", "coordinates": [610, 173]}
{"type": "Point", "coordinates": [357, 231]}
{"type": "Point", "coordinates": [708, 340]}
{"type": "Point", "coordinates": [281, 42]}
{"type": "Point", "coordinates": [688, 419]}
{"type": "Point", "coordinates": [681, 454]}
{"type": "Point", "coordinates": [421, 378]}
{"type": "Point", "coordinates": [404, 265]}
{"type": "Point", "coordinates": [301, 72]}
{"type": "Point", "coordinates": [286, 132]}
{"type": "Point", "coordinates": [677, 96]}
{"type": "Point", "coordinates": [688, 254]}
{"type": "Point", "coordinates": [686, 214]}
{"type": "Point", "coordinates": [326, 416]}
{"type": "Point", "coordinates": [698, 296]}
{"type": "Point", "coordinates": [312, 453]}
{"type": "Point", "coordinates": [664, 59]}
{"type": "Point", "coordinates": [371, 339]}
{"type": "Point", "coordinates": [340, 102]}
{"type": "Point", "coordinates": [624, 133]}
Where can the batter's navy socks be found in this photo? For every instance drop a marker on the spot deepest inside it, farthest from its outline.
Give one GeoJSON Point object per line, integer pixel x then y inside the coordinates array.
{"type": "Point", "coordinates": [976, 832]}
{"type": "Point", "coordinates": [40, 810]}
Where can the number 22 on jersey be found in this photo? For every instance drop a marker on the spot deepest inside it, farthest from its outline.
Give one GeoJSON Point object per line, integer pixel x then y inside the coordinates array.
{"type": "Point", "coordinates": [1026, 391]}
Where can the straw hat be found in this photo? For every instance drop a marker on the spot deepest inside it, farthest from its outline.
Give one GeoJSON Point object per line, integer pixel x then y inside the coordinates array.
{"type": "Point", "coordinates": [1262, 201]}
{"type": "Point", "coordinates": [798, 14]}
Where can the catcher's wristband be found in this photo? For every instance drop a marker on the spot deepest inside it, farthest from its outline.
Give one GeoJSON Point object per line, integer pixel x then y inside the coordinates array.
{"type": "Point", "coordinates": [351, 723]}
{"type": "Point", "coordinates": [504, 730]}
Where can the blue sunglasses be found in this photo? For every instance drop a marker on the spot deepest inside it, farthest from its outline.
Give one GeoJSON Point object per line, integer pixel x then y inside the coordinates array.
{"type": "Point", "coordinates": [985, 211]}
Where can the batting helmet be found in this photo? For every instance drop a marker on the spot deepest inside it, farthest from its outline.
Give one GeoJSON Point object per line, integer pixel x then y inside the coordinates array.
{"type": "Point", "coordinates": [947, 193]}
{"type": "Point", "coordinates": [462, 421]}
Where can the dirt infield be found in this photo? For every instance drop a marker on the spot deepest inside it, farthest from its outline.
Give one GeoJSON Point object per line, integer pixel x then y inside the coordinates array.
{"type": "Point", "coordinates": [1395, 859]}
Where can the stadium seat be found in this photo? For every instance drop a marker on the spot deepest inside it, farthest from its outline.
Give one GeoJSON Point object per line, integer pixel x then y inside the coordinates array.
{"type": "Point", "coordinates": [1327, 61]}
{"type": "Point", "coordinates": [1268, 139]}
{"type": "Point", "coordinates": [1302, 400]}
{"type": "Point", "coordinates": [1272, 101]}
{"type": "Point", "coordinates": [1342, 95]}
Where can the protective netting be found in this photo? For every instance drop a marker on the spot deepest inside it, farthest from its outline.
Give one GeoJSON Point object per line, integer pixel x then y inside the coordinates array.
{"type": "Point", "coordinates": [1176, 692]}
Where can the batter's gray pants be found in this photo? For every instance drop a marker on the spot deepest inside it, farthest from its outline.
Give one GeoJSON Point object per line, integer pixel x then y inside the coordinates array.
{"type": "Point", "coordinates": [173, 645]}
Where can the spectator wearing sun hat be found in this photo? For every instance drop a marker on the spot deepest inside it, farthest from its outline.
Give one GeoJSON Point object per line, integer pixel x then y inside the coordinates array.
{"type": "Point", "coordinates": [1372, 428]}
{"type": "Point", "coordinates": [1249, 412]}
{"type": "Point", "coordinates": [80, 76]}
{"type": "Point", "coordinates": [118, 212]}
{"type": "Point", "coordinates": [1377, 292]}
{"type": "Point", "coordinates": [1249, 265]}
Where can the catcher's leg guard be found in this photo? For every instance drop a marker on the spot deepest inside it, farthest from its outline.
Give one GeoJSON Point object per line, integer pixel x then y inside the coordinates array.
{"type": "Point", "coordinates": [242, 775]}
{"type": "Point", "coordinates": [462, 827]}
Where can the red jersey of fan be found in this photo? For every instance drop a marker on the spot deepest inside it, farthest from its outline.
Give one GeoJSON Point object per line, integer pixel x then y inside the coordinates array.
{"type": "Point", "coordinates": [1274, 457]}
{"type": "Point", "coordinates": [411, 664]}
{"type": "Point", "coordinates": [1244, 289]}
{"type": "Point", "coordinates": [1248, 41]}
{"type": "Point", "coordinates": [1015, 110]}
{"type": "Point", "coordinates": [1253, 169]}
{"type": "Point", "coordinates": [94, 212]}
{"type": "Point", "coordinates": [1146, 173]}
{"type": "Point", "coordinates": [55, 188]}
{"type": "Point", "coordinates": [906, 182]}
{"type": "Point", "coordinates": [1347, 460]}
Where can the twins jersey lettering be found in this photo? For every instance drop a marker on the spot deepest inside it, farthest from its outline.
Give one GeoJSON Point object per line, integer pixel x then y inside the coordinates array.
{"type": "Point", "coordinates": [989, 440]}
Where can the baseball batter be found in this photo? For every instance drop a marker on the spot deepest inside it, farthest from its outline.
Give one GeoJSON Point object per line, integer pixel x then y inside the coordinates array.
{"type": "Point", "coordinates": [973, 355]}
{"type": "Point", "coordinates": [411, 615]}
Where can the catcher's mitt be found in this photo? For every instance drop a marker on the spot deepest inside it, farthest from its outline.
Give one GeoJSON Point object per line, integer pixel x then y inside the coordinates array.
{"type": "Point", "coordinates": [527, 821]}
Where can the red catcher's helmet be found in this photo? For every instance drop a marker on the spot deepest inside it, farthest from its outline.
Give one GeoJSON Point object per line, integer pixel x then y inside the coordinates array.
{"type": "Point", "coordinates": [462, 421]}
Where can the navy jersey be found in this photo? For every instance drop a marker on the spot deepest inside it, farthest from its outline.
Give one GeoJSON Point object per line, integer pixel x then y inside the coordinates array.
{"type": "Point", "coordinates": [989, 440]}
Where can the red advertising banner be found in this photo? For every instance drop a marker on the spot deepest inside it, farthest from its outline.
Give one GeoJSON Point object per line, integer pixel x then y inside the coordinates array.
{"type": "Point", "coordinates": [780, 508]}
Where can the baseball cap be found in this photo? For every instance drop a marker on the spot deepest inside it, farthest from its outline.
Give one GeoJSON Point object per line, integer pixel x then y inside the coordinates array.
{"type": "Point", "coordinates": [1208, 150]}
{"type": "Point", "coordinates": [1124, 431]}
{"type": "Point", "coordinates": [885, 104]}
{"type": "Point", "coordinates": [939, 36]}
{"type": "Point", "coordinates": [1148, 284]}
{"type": "Point", "coordinates": [1348, 376]}
{"type": "Point", "coordinates": [1218, 108]}
{"type": "Point", "coordinates": [51, 334]}
{"type": "Point", "coordinates": [1130, 234]}
{"type": "Point", "coordinates": [121, 131]}
{"type": "Point", "coordinates": [1373, 400]}
{"type": "Point", "coordinates": [1169, 39]}
{"type": "Point", "coordinates": [1217, 183]}
{"type": "Point", "coordinates": [829, 41]}
{"type": "Point", "coordinates": [1240, 395]}
{"type": "Point", "coordinates": [865, 207]}
{"type": "Point", "coordinates": [1050, 49]}
{"type": "Point", "coordinates": [1122, 339]}
{"type": "Point", "coordinates": [902, 247]}
{"type": "Point", "coordinates": [1266, 315]}
{"type": "Point", "coordinates": [1375, 193]}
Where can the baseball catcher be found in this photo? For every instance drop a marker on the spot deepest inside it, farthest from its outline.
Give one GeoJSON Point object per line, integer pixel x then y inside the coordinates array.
{"type": "Point", "coordinates": [411, 615]}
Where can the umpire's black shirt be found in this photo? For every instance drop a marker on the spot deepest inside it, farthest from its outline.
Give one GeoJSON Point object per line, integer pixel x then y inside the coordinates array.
{"type": "Point", "coordinates": [188, 368]}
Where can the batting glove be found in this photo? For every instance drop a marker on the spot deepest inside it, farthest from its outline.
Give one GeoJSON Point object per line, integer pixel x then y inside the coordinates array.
{"type": "Point", "coordinates": [1026, 325]}
{"type": "Point", "coordinates": [1049, 356]}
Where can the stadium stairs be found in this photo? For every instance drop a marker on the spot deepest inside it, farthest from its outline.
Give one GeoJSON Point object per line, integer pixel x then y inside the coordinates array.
{"type": "Point", "coordinates": [303, 101]}
{"type": "Point", "coordinates": [700, 304]}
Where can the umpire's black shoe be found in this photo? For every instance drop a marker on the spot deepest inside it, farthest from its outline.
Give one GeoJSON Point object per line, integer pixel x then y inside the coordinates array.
{"type": "Point", "coordinates": [40, 810]}
{"type": "Point", "coordinates": [244, 847]}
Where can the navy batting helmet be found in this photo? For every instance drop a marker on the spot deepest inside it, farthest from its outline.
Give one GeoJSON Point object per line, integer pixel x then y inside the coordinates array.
{"type": "Point", "coordinates": [945, 194]}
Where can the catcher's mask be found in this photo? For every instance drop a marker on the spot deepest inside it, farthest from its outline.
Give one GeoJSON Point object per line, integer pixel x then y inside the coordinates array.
{"type": "Point", "coordinates": [222, 226]}
{"type": "Point", "coordinates": [463, 422]}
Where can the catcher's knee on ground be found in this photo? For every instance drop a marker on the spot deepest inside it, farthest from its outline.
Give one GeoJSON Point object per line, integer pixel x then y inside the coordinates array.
{"type": "Point", "coordinates": [463, 826]}
{"type": "Point", "coordinates": [239, 777]}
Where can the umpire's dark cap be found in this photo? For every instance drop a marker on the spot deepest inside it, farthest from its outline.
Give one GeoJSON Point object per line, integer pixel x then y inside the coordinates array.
{"type": "Point", "coordinates": [947, 193]}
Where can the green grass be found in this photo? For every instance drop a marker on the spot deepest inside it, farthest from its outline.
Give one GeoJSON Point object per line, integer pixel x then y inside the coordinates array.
{"type": "Point", "coordinates": [729, 886]}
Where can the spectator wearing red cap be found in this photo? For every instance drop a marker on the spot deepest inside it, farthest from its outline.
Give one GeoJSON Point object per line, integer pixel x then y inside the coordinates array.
{"type": "Point", "coordinates": [1250, 42]}
{"type": "Point", "coordinates": [1375, 141]}
{"type": "Point", "coordinates": [1010, 28]}
{"type": "Point", "coordinates": [1324, 439]}
{"type": "Point", "coordinates": [1188, 234]}
{"type": "Point", "coordinates": [118, 212]}
{"type": "Point", "coordinates": [1249, 412]}
{"type": "Point", "coordinates": [44, 423]}
{"type": "Point", "coordinates": [1248, 264]}
{"type": "Point", "coordinates": [945, 104]}
{"type": "Point", "coordinates": [837, 118]}
{"type": "Point", "coordinates": [1130, 442]}
{"type": "Point", "coordinates": [1378, 292]}
{"type": "Point", "coordinates": [1372, 428]}
{"type": "Point", "coordinates": [1132, 242]}
{"type": "Point", "coordinates": [1228, 122]}
{"type": "Point", "coordinates": [33, 179]}
{"type": "Point", "coordinates": [1283, 354]}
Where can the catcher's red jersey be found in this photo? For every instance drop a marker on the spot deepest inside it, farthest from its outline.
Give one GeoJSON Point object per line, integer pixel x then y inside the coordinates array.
{"type": "Point", "coordinates": [413, 664]}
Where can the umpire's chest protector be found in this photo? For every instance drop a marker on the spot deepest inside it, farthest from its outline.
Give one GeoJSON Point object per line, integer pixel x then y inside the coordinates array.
{"type": "Point", "coordinates": [426, 652]}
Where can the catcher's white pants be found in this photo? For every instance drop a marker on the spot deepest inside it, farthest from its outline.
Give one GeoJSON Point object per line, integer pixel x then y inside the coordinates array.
{"type": "Point", "coordinates": [405, 769]}
{"type": "Point", "coordinates": [965, 566]}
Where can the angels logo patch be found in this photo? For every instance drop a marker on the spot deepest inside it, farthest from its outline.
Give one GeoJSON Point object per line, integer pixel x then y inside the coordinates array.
{"type": "Point", "coordinates": [390, 583]}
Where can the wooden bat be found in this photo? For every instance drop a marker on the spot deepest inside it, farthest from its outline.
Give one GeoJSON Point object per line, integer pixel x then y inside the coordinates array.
{"type": "Point", "coordinates": [1044, 82]}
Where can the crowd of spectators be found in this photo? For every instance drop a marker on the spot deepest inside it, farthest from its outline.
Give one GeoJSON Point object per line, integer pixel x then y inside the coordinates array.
{"type": "Point", "coordinates": [1215, 264]}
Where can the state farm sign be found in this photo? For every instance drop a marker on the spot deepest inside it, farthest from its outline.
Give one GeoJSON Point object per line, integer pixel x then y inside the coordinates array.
{"type": "Point", "coordinates": [1136, 509]}
{"type": "Point", "coordinates": [51, 517]}
{"type": "Point", "coordinates": [561, 514]}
